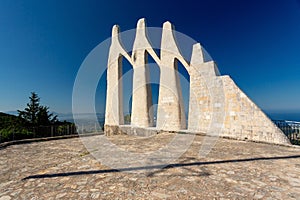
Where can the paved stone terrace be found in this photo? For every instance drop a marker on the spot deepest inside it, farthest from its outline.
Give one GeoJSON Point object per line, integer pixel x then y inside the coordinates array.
{"type": "Point", "coordinates": [233, 170]}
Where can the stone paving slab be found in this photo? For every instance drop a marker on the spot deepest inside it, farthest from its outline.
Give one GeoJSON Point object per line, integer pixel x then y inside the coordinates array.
{"type": "Point", "coordinates": [64, 169]}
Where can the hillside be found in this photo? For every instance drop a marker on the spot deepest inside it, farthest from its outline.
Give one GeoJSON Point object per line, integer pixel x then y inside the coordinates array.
{"type": "Point", "coordinates": [7, 120]}
{"type": "Point", "coordinates": [16, 128]}
{"type": "Point", "coordinates": [5, 115]}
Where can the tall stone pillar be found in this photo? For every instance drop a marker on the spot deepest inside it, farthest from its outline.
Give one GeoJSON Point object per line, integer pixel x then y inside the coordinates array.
{"type": "Point", "coordinates": [170, 113]}
{"type": "Point", "coordinates": [197, 87]}
{"type": "Point", "coordinates": [142, 114]}
{"type": "Point", "coordinates": [114, 96]}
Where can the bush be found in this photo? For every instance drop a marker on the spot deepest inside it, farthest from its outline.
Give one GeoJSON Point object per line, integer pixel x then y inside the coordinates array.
{"type": "Point", "coordinates": [14, 133]}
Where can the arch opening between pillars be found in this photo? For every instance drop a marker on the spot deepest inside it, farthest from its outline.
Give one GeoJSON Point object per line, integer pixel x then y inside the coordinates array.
{"type": "Point", "coordinates": [126, 81]}
{"type": "Point", "coordinates": [154, 71]}
{"type": "Point", "coordinates": [183, 83]}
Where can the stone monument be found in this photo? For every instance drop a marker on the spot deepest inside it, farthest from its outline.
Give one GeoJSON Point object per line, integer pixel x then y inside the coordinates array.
{"type": "Point", "coordinates": [217, 106]}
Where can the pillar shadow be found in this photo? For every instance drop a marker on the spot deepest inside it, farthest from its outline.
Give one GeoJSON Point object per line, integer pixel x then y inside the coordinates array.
{"type": "Point", "coordinates": [158, 167]}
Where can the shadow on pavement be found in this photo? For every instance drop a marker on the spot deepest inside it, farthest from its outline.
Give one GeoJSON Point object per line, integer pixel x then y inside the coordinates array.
{"type": "Point", "coordinates": [158, 167]}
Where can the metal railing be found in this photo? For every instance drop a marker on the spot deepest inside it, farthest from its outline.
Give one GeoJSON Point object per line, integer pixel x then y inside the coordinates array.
{"type": "Point", "coordinates": [291, 129]}
{"type": "Point", "coordinates": [38, 132]}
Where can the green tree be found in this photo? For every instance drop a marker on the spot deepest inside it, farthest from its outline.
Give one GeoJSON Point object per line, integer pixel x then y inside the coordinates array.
{"type": "Point", "coordinates": [12, 127]}
{"type": "Point", "coordinates": [35, 114]}
{"type": "Point", "coordinates": [127, 119]}
{"type": "Point", "coordinates": [30, 113]}
{"type": "Point", "coordinates": [44, 117]}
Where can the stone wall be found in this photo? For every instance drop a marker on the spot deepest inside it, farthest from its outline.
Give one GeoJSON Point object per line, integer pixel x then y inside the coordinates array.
{"type": "Point", "coordinates": [244, 120]}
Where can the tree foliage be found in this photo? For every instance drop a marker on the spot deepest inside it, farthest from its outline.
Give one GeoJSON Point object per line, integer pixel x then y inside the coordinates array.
{"type": "Point", "coordinates": [35, 114]}
{"type": "Point", "coordinates": [34, 121]}
{"type": "Point", "coordinates": [127, 119]}
{"type": "Point", "coordinates": [12, 127]}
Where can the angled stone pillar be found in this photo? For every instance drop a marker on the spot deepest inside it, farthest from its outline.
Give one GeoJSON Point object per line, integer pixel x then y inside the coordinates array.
{"type": "Point", "coordinates": [170, 113]}
{"type": "Point", "coordinates": [114, 96]}
{"type": "Point", "coordinates": [197, 86]}
{"type": "Point", "coordinates": [142, 115]}
{"type": "Point", "coordinates": [204, 91]}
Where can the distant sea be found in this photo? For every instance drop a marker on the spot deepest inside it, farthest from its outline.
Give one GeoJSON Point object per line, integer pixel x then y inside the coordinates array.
{"type": "Point", "coordinates": [284, 115]}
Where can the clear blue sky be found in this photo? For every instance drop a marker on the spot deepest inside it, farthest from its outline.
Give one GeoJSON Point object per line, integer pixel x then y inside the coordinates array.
{"type": "Point", "coordinates": [43, 43]}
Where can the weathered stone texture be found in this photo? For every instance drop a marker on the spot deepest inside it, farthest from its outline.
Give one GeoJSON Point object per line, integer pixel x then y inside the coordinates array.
{"type": "Point", "coordinates": [244, 120]}
{"type": "Point", "coordinates": [170, 111]}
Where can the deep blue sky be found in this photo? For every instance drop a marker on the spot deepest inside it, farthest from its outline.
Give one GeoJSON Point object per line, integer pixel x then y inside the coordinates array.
{"type": "Point", "coordinates": [43, 43]}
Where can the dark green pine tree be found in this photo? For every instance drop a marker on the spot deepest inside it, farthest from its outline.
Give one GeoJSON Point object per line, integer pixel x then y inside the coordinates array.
{"type": "Point", "coordinates": [36, 115]}
{"type": "Point", "coordinates": [44, 117]}
{"type": "Point", "coordinates": [30, 113]}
